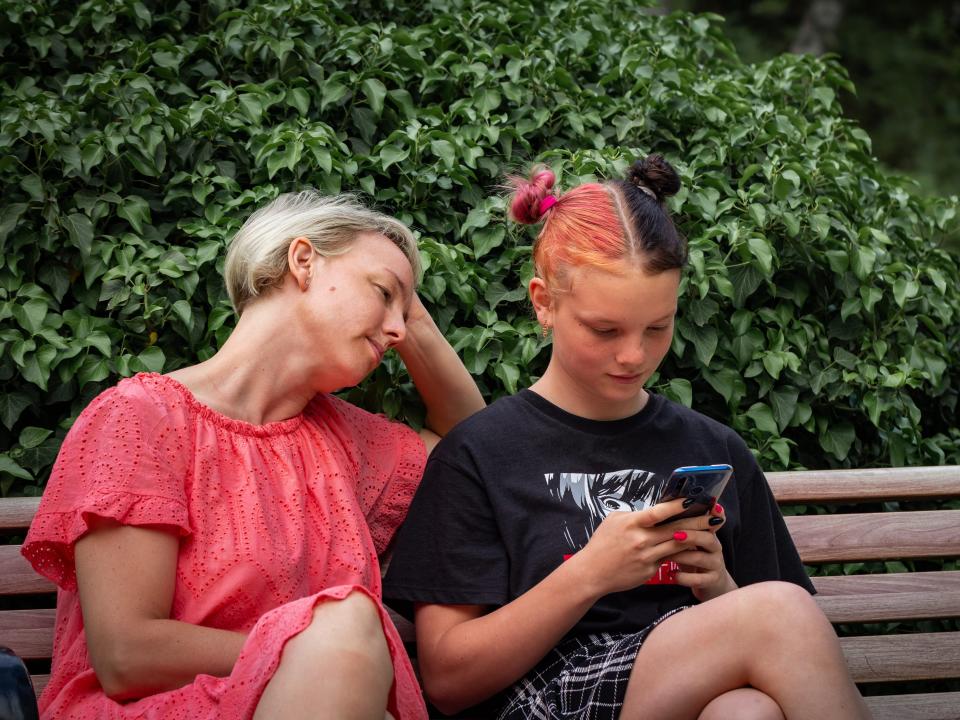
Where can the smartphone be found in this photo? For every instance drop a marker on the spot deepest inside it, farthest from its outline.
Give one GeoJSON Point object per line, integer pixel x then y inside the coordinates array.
{"type": "Point", "coordinates": [703, 483]}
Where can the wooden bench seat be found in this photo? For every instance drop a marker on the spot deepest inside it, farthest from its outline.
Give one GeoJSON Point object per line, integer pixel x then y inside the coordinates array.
{"type": "Point", "coordinates": [867, 527]}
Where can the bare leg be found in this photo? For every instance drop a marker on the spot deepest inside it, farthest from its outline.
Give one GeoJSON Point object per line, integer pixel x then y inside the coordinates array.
{"type": "Point", "coordinates": [742, 704]}
{"type": "Point", "coordinates": [769, 636]}
{"type": "Point", "coordinates": [339, 667]}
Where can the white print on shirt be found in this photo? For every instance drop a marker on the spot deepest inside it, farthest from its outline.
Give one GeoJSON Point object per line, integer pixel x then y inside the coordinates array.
{"type": "Point", "coordinates": [596, 495]}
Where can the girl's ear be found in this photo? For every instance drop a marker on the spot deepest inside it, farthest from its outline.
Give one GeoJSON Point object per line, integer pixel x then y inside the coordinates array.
{"type": "Point", "coordinates": [301, 259]}
{"type": "Point", "coordinates": [542, 300]}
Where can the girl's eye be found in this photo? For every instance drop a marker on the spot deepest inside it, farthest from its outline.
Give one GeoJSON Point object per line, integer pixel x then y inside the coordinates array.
{"type": "Point", "coordinates": [603, 332]}
{"type": "Point", "coordinates": [658, 328]}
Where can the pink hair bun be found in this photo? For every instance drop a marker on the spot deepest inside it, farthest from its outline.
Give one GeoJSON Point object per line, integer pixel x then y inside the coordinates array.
{"type": "Point", "coordinates": [529, 195]}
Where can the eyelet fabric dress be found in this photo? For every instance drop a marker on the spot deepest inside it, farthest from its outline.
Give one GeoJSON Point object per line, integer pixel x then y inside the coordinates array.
{"type": "Point", "coordinates": [272, 519]}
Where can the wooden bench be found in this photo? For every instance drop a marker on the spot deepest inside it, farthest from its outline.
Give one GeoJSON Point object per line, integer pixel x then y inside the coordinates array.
{"type": "Point", "coordinates": [869, 526]}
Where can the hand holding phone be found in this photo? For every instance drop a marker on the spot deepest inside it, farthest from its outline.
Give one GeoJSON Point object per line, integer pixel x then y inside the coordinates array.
{"type": "Point", "coordinates": [700, 483]}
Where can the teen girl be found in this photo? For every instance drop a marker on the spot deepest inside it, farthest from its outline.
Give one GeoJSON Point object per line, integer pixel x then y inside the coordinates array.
{"type": "Point", "coordinates": [533, 590]}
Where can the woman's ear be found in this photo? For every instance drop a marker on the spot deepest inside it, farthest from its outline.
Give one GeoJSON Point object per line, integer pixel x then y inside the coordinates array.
{"type": "Point", "coordinates": [542, 301]}
{"type": "Point", "coordinates": [301, 259]}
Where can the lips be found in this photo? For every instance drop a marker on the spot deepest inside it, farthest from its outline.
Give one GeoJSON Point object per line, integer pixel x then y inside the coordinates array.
{"type": "Point", "coordinates": [378, 349]}
{"type": "Point", "coordinates": [626, 378]}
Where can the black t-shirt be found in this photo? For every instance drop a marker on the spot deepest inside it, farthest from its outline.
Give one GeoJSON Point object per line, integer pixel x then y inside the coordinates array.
{"type": "Point", "coordinates": [519, 486]}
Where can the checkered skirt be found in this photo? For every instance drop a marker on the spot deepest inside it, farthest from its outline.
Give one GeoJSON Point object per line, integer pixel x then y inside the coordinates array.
{"type": "Point", "coordinates": [583, 678]}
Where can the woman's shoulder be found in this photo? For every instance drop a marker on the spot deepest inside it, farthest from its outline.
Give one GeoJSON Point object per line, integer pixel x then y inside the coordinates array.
{"type": "Point", "coordinates": [145, 397]}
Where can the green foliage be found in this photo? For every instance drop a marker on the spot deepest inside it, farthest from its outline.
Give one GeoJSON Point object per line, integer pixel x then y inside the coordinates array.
{"type": "Point", "coordinates": [820, 316]}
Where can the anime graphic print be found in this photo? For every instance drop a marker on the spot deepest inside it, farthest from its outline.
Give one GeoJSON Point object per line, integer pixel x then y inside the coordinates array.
{"type": "Point", "coordinates": [596, 495]}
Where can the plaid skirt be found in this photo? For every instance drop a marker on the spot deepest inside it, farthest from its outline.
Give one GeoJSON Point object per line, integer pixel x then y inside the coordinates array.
{"type": "Point", "coordinates": [583, 678]}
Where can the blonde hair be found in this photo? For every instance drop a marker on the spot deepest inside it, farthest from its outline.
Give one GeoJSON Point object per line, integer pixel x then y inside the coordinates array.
{"type": "Point", "coordinates": [257, 257]}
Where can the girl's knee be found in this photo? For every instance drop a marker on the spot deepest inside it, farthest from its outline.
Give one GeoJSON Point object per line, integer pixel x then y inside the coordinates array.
{"type": "Point", "coordinates": [785, 608]}
{"type": "Point", "coordinates": [744, 704]}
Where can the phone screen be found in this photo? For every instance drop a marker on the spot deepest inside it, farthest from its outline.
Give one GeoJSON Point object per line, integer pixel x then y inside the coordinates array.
{"type": "Point", "coordinates": [703, 483]}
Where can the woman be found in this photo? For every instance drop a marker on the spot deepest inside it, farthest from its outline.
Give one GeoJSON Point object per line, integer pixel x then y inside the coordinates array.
{"type": "Point", "coordinates": [214, 532]}
{"type": "Point", "coordinates": [532, 588]}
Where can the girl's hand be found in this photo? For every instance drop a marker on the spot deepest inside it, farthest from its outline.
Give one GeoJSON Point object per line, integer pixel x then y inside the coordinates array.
{"type": "Point", "coordinates": [702, 568]}
{"type": "Point", "coordinates": [627, 548]}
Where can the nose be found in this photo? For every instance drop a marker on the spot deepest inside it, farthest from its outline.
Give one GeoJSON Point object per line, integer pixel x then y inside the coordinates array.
{"type": "Point", "coordinates": [394, 327]}
{"type": "Point", "coordinates": [631, 354]}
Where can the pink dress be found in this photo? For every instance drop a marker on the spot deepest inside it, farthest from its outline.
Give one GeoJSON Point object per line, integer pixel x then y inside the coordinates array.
{"type": "Point", "coordinates": [272, 519]}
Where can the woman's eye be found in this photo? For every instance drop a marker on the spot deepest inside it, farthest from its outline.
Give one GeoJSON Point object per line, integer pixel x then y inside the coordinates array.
{"type": "Point", "coordinates": [385, 292]}
{"type": "Point", "coordinates": [658, 328]}
{"type": "Point", "coordinates": [603, 331]}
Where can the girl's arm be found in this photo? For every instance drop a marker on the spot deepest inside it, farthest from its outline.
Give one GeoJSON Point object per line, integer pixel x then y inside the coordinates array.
{"type": "Point", "coordinates": [466, 656]}
{"type": "Point", "coordinates": [125, 578]}
{"type": "Point", "coordinates": [447, 389]}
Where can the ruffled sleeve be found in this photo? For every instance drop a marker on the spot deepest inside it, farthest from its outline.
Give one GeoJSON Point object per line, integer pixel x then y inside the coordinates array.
{"type": "Point", "coordinates": [126, 458]}
{"type": "Point", "coordinates": [390, 458]}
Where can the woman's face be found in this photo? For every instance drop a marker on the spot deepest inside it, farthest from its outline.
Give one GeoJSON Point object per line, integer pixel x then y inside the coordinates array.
{"type": "Point", "coordinates": [611, 330]}
{"type": "Point", "coordinates": [355, 307]}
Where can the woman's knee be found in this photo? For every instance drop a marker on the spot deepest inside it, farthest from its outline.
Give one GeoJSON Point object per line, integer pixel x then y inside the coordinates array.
{"type": "Point", "coordinates": [353, 622]}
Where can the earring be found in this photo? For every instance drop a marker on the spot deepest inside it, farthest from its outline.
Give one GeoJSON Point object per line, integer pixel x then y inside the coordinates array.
{"type": "Point", "coordinates": [545, 330]}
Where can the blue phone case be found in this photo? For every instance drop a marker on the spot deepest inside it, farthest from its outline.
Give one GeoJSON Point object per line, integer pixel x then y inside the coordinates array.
{"type": "Point", "coordinates": [703, 483]}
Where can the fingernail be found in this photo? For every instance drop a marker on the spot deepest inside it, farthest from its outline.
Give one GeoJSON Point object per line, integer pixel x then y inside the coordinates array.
{"type": "Point", "coordinates": [716, 520]}
{"type": "Point", "coordinates": [679, 536]}
{"type": "Point", "coordinates": [688, 502]}
{"type": "Point", "coordinates": [719, 508]}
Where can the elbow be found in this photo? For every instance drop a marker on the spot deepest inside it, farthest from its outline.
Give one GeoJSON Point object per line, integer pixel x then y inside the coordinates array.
{"type": "Point", "coordinates": [116, 667]}
{"type": "Point", "coordinates": [445, 692]}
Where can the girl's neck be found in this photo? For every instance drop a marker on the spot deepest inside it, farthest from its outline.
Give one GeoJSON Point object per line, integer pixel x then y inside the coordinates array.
{"type": "Point", "coordinates": [575, 400]}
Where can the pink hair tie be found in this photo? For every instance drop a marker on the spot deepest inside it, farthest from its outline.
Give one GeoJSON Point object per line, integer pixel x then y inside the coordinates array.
{"type": "Point", "coordinates": [548, 202]}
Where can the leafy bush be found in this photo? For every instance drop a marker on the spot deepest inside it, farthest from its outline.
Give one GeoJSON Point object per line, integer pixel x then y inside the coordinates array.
{"type": "Point", "coordinates": [821, 319]}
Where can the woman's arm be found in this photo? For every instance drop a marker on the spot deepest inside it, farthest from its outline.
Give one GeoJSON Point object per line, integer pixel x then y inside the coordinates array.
{"type": "Point", "coordinates": [447, 389]}
{"type": "Point", "coordinates": [125, 577]}
{"type": "Point", "coordinates": [467, 656]}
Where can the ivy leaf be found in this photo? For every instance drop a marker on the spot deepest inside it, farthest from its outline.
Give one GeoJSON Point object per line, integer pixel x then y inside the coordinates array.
{"type": "Point", "coordinates": [80, 230]}
{"type": "Point", "coordinates": [11, 406]}
{"type": "Point", "coordinates": [375, 91]}
{"type": "Point", "coordinates": [135, 210]}
{"type": "Point", "coordinates": [762, 418]}
{"type": "Point", "coordinates": [32, 436]}
{"type": "Point", "coordinates": [837, 439]}
{"type": "Point", "coordinates": [8, 466]}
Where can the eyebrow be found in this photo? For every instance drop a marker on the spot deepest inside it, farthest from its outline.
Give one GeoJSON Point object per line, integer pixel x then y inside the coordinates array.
{"type": "Point", "coordinates": [664, 318]}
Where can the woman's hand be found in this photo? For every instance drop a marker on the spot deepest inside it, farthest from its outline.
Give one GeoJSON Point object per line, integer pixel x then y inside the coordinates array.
{"type": "Point", "coordinates": [626, 550]}
{"type": "Point", "coordinates": [448, 390]}
{"type": "Point", "coordinates": [702, 568]}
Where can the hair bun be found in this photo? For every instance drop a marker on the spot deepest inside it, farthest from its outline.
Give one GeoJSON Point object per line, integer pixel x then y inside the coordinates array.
{"type": "Point", "coordinates": [528, 194]}
{"type": "Point", "coordinates": [655, 176]}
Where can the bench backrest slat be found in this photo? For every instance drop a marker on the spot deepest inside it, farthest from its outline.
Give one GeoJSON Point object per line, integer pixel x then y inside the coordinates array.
{"type": "Point", "coordinates": [884, 658]}
{"type": "Point", "coordinates": [826, 486]}
{"type": "Point", "coordinates": [17, 576]}
{"type": "Point", "coordinates": [891, 583]}
{"type": "Point", "coordinates": [29, 633]}
{"type": "Point", "coordinates": [16, 513]}
{"type": "Point", "coordinates": [889, 606]}
{"type": "Point", "coordinates": [876, 536]}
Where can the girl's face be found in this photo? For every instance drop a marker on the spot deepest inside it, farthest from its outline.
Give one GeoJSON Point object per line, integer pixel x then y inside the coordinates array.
{"type": "Point", "coordinates": [354, 309]}
{"type": "Point", "coordinates": [611, 330]}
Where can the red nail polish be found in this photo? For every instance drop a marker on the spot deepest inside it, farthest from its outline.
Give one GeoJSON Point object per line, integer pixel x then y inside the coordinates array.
{"type": "Point", "coordinates": [679, 536]}
{"type": "Point", "coordinates": [719, 508]}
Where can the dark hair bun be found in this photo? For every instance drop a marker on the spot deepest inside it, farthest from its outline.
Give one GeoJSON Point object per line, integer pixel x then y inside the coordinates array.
{"type": "Point", "coordinates": [656, 175]}
{"type": "Point", "coordinates": [528, 193]}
